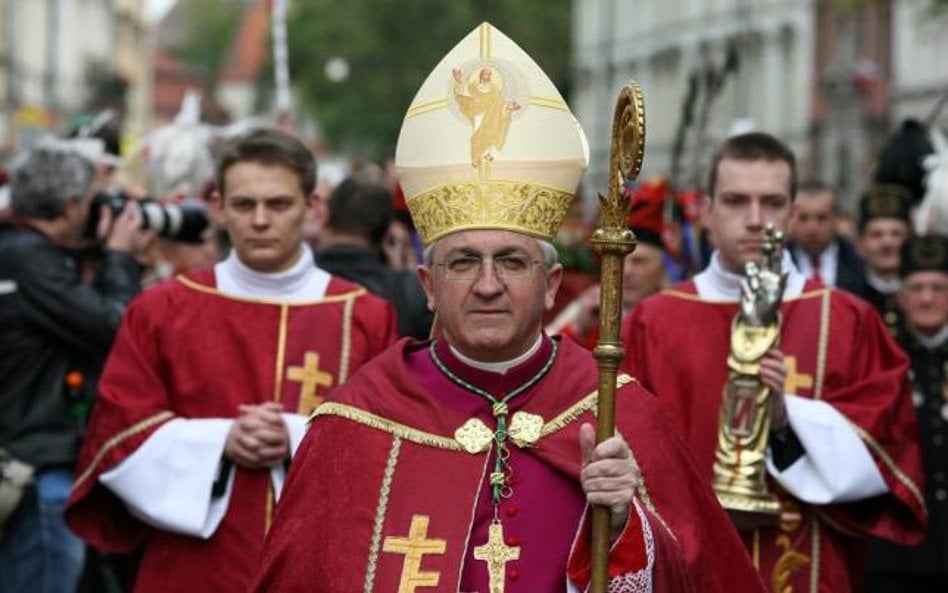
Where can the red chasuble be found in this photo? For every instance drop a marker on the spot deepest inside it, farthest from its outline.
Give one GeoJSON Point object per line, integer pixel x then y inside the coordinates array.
{"type": "Point", "coordinates": [382, 497]}
{"type": "Point", "coordinates": [186, 350]}
{"type": "Point", "coordinates": [837, 351]}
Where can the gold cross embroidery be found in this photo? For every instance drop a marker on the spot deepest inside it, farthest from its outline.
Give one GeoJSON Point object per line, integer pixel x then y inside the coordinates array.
{"type": "Point", "coordinates": [414, 547]}
{"type": "Point", "coordinates": [794, 380]}
{"type": "Point", "coordinates": [310, 378]}
{"type": "Point", "coordinates": [496, 554]}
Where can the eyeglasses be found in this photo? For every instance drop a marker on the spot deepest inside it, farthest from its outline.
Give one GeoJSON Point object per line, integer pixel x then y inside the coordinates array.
{"type": "Point", "coordinates": [467, 268]}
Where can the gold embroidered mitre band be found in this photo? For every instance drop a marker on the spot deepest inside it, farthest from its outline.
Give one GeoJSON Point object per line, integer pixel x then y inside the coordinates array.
{"type": "Point", "coordinates": [489, 143]}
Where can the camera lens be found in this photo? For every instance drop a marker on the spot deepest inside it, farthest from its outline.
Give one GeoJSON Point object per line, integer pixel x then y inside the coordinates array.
{"type": "Point", "coordinates": [182, 223]}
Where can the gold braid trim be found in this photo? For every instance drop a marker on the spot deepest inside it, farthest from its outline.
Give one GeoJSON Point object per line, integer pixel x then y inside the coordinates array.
{"type": "Point", "coordinates": [380, 511]}
{"type": "Point", "coordinates": [815, 556]}
{"type": "Point", "coordinates": [587, 403]}
{"type": "Point", "coordinates": [694, 297]}
{"type": "Point", "coordinates": [399, 430]}
{"type": "Point", "coordinates": [517, 206]}
{"type": "Point", "coordinates": [333, 298]}
{"type": "Point", "coordinates": [824, 517]}
{"type": "Point", "coordinates": [890, 463]}
{"type": "Point", "coordinates": [346, 349]}
{"type": "Point", "coordinates": [117, 440]}
{"type": "Point", "coordinates": [822, 345]}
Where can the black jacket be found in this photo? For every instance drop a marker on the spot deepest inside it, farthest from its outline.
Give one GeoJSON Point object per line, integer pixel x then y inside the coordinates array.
{"type": "Point", "coordinates": [850, 270]}
{"type": "Point", "coordinates": [930, 383]}
{"type": "Point", "coordinates": [51, 323]}
{"type": "Point", "coordinates": [401, 288]}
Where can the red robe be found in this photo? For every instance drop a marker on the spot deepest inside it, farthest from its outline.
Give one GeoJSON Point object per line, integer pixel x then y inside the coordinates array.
{"type": "Point", "coordinates": [186, 350]}
{"type": "Point", "coordinates": [842, 355]}
{"type": "Point", "coordinates": [380, 462]}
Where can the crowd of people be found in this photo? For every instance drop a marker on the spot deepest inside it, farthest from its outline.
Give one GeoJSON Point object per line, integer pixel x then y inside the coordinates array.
{"type": "Point", "coordinates": [258, 383]}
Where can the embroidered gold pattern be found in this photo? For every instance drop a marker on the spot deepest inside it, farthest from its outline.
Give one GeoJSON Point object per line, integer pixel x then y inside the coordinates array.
{"type": "Point", "coordinates": [311, 378]}
{"type": "Point", "coordinates": [117, 439]}
{"type": "Point", "coordinates": [525, 428]}
{"type": "Point", "coordinates": [496, 554]}
{"type": "Point", "coordinates": [514, 205]}
{"type": "Point", "coordinates": [380, 510]}
{"type": "Point", "coordinates": [790, 561]}
{"type": "Point", "coordinates": [474, 436]}
{"type": "Point", "coordinates": [415, 547]}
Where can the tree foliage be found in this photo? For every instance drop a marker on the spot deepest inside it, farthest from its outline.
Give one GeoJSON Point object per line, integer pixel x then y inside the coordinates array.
{"type": "Point", "coordinates": [392, 45]}
{"type": "Point", "coordinates": [211, 28]}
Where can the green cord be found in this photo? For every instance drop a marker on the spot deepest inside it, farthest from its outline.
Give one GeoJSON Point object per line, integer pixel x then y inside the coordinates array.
{"type": "Point", "coordinates": [500, 410]}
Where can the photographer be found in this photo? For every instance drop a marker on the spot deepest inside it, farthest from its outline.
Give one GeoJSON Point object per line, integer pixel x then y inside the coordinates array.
{"type": "Point", "coordinates": [55, 331]}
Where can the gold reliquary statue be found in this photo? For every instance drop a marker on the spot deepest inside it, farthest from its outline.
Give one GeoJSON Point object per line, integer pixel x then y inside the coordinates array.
{"type": "Point", "coordinates": [740, 470]}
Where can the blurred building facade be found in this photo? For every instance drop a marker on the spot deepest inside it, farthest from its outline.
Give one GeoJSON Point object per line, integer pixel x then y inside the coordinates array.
{"type": "Point", "coordinates": [830, 77]}
{"type": "Point", "coordinates": [60, 58]}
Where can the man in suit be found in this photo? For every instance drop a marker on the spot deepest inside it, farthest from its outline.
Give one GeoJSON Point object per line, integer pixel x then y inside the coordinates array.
{"type": "Point", "coordinates": [816, 248]}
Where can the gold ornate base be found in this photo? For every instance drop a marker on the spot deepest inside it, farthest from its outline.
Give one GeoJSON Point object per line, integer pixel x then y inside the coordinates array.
{"type": "Point", "coordinates": [750, 512]}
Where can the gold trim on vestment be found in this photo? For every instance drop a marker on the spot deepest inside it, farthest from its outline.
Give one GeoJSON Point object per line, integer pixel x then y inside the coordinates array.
{"type": "Point", "coordinates": [268, 510]}
{"type": "Point", "coordinates": [380, 511]}
{"type": "Point", "coordinates": [333, 298]}
{"type": "Point", "coordinates": [345, 350]}
{"type": "Point", "coordinates": [584, 405]}
{"type": "Point", "coordinates": [673, 292]}
{"type": "Point", "coordinates": [519, 206]}
{"type": "Point", "coordinates": [815, 556]}
{"type": "Point", "coordinates": [400, 430]}
{"type": "Point", "coordinates": [824, 517]}
{"type": "Point", "coordinates": [281, 354]}
{"type": "Point", "coordinates": [117, 439]}
{"type": "Point", "coordinates": [425, 438]}
{"type": "Point", "coordinates": [822, 345]}
{"type": "Point", "coordinates": [755, 549]}
{"type": "Point", "coordinates": [890, 463]}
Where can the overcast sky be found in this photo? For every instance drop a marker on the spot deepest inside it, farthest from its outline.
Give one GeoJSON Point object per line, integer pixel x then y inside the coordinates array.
{"type": "Point", "coordinates": [156, 9]}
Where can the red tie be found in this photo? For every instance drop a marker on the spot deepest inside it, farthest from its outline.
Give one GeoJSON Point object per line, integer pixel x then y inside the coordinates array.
{"type": "Point", "coordinates": [815, 262]}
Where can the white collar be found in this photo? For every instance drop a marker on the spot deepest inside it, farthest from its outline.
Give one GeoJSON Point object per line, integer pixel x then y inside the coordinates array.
{"type": "Point", "coordinates": [932, 342]}
{"type": "Point", "coordinates": [883, 286]}
{"type": "Point", "coordinates": [715, 283]}
{"type": "Point", "coordinates": [302, 281]}
{"type": "Point", "coordinates": [502, 366]}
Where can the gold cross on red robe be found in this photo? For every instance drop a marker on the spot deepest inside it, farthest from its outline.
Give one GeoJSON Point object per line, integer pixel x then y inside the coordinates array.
{"type": "Point", "coordinates": [311, 378]}
{"type": "Point", "coordinates": [414, 547]}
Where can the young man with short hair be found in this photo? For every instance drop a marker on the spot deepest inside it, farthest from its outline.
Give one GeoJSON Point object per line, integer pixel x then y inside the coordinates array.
{"type": "Point", "coordinates": [205, 395]}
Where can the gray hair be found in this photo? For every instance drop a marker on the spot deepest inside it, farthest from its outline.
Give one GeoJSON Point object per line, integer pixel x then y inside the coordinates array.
{"type": "Point", "coordinates": [46, 179]}
{"type": "Point", "coordinates": [548, 251]}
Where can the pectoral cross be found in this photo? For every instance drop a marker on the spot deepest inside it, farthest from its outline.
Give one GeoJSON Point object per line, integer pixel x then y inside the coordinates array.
{"type": "Point", "coordinates": [310, 378]}
{"type": "Point", "coordinates": [496, 554]}
{"type": "Point", "coordinates": [795, 380]}
{"type": "Point", "coordinates": [414, 547]}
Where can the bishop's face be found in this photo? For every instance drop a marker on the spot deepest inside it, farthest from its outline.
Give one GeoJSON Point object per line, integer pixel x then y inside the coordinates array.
{"type": "Point", "coordinates": [489, 290]}
{"type": "Point", "coordinates": [263, 207]}
{"type": "Point", "coordinates": [748, 195]}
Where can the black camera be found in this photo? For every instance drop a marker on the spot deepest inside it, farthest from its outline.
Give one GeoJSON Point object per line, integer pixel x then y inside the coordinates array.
{"type": "Point", "coordinates": [184, 223]}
